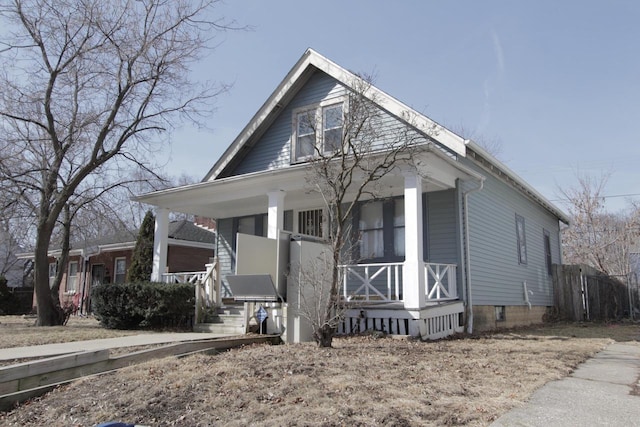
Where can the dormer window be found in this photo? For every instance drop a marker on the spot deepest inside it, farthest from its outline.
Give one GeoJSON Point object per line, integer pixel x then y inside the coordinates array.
{"type": "Point", "coordinates": [317, 131]}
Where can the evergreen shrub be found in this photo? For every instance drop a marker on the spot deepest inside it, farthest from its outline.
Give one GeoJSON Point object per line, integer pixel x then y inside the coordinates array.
{"type": "Point", "coordinates": [145, 305]}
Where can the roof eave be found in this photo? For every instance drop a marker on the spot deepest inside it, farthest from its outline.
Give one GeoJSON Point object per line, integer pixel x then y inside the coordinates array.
{"type": "Point", "coordinates": [295, 79]}
{"type": "Point", "coordinates": [529, 190]}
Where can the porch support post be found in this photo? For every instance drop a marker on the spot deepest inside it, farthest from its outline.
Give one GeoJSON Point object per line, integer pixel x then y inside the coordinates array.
{"type": "Point", "coordinates": [160, 243]}
{"type": "Point", "coordinates": [275, 216]}
{"type": "Point", "coordinates": [413, 284]}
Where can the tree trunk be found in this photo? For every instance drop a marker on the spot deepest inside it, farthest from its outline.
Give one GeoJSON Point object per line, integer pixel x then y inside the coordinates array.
{"type": "Point", "coordinates": [324, 336]}
{"type": "Point", "coordinates": [49, 311]}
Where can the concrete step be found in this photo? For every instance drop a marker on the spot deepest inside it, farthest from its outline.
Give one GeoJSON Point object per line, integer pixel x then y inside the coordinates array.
{"type": "Point", "coordinates": [230, 310]}
{"type": "Point", "coordinates": [228, 320]}
{"type": "Point", "coordinates": [220, 328]}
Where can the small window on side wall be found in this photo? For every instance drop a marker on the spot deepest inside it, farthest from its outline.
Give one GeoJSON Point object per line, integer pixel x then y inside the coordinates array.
{"type": "Point", "coordinates": [522, 241]}
{"type": "Point", "coordinates": [547, 252]}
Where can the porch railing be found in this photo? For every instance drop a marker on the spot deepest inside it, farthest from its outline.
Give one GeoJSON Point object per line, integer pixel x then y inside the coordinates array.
{"type": "Point", "coordinates": [383, 282]}
{"type": "Point", "coordinates": [208, 286]}
{"type": "Point", "coordinates": [440, 282]}
{"type": "Point", "coordinates": [372, 282]}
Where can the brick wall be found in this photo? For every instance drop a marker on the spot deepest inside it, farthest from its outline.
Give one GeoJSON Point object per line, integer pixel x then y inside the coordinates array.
{"type": "Point", "coordinates": [181, 258]}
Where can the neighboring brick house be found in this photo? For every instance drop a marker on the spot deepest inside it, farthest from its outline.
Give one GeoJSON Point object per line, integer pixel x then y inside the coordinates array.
{"type": "Point", "coordinates": [106, 260]}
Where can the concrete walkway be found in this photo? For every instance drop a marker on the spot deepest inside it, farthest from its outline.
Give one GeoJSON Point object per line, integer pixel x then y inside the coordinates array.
{"type": "Point", "coordinates": [603, 391]}
{"type": "Point", "coordinates": [47, 350]}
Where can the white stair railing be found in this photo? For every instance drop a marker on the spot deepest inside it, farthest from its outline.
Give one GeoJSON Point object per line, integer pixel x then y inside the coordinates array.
{"type": "Point", "coordinates": [207, 286]}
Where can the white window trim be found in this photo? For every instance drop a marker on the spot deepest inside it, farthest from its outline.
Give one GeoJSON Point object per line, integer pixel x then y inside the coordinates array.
{"type": "Point", "coordinates": [66, 285]}
{"type": "Point", "coordinates": [55, 269]}
{"type": "Point", "coordinates": [115, 268]}
{"type": "Point", "coordinates": [319, 122]}
{"type": "Point", "coordinates": [325, 220]}
{"type": "Point", "coordinates": [521, 240]}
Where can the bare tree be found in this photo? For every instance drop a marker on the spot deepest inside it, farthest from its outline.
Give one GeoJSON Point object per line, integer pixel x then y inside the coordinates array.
{"type": "Point", "coordinates": [598, 238]}
{"type": "Point", "coordinates": [346, 167]}
{"type": "Point", "coordinates": [88, 88]}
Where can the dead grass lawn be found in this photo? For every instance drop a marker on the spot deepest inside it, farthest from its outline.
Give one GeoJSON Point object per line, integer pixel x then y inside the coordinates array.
{"type": "Point", "coordinates": [19, 331]}
{"type": "Point", "coordinates": [361, 381]}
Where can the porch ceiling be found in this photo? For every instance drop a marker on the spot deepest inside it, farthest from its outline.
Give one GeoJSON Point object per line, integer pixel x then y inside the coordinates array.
{"type": "Point", "coordinates": [247, 194]}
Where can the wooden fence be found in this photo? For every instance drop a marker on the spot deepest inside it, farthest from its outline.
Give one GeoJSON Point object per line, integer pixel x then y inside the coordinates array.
{"type": "Point", "coordinates": [583, 293]}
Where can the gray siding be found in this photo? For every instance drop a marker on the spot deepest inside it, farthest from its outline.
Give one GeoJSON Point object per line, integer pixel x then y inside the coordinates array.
{"type": "Point", "coordinates": [496, 275]}
{"type": "Point", "coordinates": [273, 150]}
{"type": "Point", "coordinates": [442, 234]}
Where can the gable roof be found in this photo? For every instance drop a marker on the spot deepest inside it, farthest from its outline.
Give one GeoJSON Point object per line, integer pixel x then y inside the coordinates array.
{"type": "Point", "coordinates": [188, 231]}
{"type": "Point", "coordinates": [300, 74]}
{"type": "Point", "coordinates": [297, 77]}
{"type": "Point", "coordinates": [179, 231]}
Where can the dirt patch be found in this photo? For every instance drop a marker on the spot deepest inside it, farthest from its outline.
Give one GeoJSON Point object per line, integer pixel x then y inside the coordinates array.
{"type": "Point", "coordinates": [361, 381]}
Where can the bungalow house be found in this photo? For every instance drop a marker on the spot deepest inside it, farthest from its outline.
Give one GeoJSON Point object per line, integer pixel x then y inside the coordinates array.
{"type": "Point", "coordinates": [466, 242]}
{"type": "Point", "coordinates": [106, 259]}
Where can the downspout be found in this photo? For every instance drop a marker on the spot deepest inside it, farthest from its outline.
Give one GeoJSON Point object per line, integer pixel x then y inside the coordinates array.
{"type": "Point", "coordinates": [467, 261]}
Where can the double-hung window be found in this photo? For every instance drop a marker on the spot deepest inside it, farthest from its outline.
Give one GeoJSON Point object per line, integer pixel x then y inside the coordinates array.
{"type": "Point", "coordinates": [318, 131]}
{"type": "Point", "coordinates": [371, 230]}
{"type": "Point", "coordinates": [331, 128]}
{"type": "Point", "coordinates": [53, 269]}
{"type": "Point", "coordinates": [72, 276]}
{"type": "Point", "coordinates": [305, 134]}
{"type": "Point", "coordinates": [120, 270]}
{"type": "Point", "coordinates": [547, 251]}
{"type": "Point", "coordinates": [522, 240]}
{"type": "Point", "coordinates": [381, 230]}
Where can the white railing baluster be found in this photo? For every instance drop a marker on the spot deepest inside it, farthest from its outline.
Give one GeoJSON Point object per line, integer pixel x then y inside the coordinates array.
{"type": "Point", "coordinates": [359, 282]}
{"type": "Point", "coordinates": [441, 284]}
{"type": "Point", "coordinates": [397, 271]}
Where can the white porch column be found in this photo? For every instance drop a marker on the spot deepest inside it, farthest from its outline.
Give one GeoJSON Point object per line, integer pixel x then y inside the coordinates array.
{"type": "Point", "coordinates": [275, 214]}
{"type": "Point", "coordinates": [160, 243]}
{"type": "Point", "coordinates": [413, 286]}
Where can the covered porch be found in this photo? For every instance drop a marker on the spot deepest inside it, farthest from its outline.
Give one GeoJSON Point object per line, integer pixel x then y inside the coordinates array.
{"type": "Point", "coordinates": [283, 200]}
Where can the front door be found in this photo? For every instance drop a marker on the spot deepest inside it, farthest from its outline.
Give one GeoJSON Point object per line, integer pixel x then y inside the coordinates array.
{"type": "Point", "coordinates": [97, 278]}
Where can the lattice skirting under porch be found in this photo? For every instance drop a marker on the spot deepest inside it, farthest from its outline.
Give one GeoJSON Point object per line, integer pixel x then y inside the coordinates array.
{"type": "Point", "coordinates": [434, 322]}
{"type": "Point", "coordinates": [358, 325]}
{"type": "Point", "coordinates": [440, 326]}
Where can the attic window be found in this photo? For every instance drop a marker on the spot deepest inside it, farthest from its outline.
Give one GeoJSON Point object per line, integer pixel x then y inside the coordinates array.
{"type": "Point", "coordinates": [317, 131]}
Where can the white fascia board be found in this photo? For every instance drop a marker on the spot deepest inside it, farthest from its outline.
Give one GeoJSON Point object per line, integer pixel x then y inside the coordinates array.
{"type": "Point", "coordinates": [312, 58]}
{"type": "Point", "coordinates": [532, 192]}
{"type": "Point", "coordinates": [226, 189]}
{"type": "Point", "coordinates": [25, 255]}
{"type": "Point", "coordinates": [471, 174]}
{"type": "Point", "coordinates": [191, 244]}
{"type": "Point", "coordinates": [81, 252]}
{"type": "Point", "coordinates": [391, 104]}
{"type": "Point", "coordinates": [116, 247]}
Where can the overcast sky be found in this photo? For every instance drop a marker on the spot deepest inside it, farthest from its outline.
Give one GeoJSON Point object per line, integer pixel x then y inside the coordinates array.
{"type": "Point", "coordinates": [556, 83]}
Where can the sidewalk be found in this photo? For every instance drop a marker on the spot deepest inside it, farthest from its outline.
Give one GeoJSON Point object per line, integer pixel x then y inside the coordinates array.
{"type": "Point", "coordinates": [47, 350]}
{"type": "Point", "coordinates": [603, 391]}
